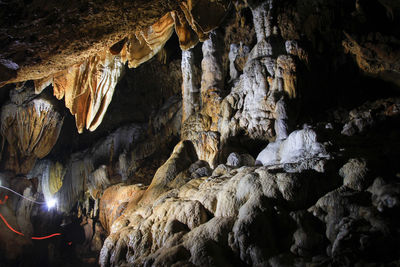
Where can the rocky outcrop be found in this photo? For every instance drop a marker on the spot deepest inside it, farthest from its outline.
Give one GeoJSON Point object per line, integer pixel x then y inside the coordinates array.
{"type": "Point", "coordinates": [52, 37]}
{"type": "Point", "coordinates": [277, 82]}
{"type": "Point", "coordinates": [201, 128]}
{"type": "Point", "coordinates": [115, 201]}
{"type": "Point", "coordinates": [182, 156]}
{"type": "Point", "coordinates": [229, 212]}
{"type": "Point", "coordinates": [369, 114]}
{"type": "Point", "coordinates": [259, 215]}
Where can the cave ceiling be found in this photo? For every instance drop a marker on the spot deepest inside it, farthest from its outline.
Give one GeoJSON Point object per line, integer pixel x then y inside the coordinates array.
{"type": "Point", "coordinates": [81, 47]}
{"type": "Point", "coordinates": [200, 132]}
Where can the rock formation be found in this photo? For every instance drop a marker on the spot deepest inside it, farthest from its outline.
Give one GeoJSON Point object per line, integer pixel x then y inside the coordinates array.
{"type": "Point", "coordinates": [30, 127]}
{"type": "Point", "coordinates": [209, 133]}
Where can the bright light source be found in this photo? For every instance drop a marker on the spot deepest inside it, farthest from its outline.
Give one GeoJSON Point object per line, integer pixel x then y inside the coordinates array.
{"type": "Point", "coordinates": [51, 203]}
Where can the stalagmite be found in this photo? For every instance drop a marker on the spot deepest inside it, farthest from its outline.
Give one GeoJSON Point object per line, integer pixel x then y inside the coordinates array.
{"type": "Point", "coordinates": [212, 78]}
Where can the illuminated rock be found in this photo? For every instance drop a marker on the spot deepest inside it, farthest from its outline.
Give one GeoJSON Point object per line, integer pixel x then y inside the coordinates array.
{"type": "Point", "coordinates": [159, 33]}
{"type": "Point", "coordinates": [51, 176]}
{"type": "Point", "coordinates": [190, 90]}
{"type": "Point", "coordinates": [88, 88]}
{"type": "Point", "coordinates": [176, 226]}
{"type": "Point", "coordinates": [41, 84]}
{"type": "Point", "coordinates": [206, 142]}
{"type": "Point", "coordinates": [212, 79]}
{"type": "Point", "coordinates": [300, 149]}
{"type": "Point", "coordinates": [187, 37]}
{"type": "Point", "coordinates": [98, 181]}
{"type": "Point", "coordinates": [201, 128]}
{"type": "Point", "coordinates": [137, 51]}
{"type": "Point", "coordinates": [30, 130]}
{"type": "Point", "coordinates": [287, 71]}
{"type": "Point", "coordinates": [258, 102]}
{"type": "Point", "coordinates": [58, 41]}
{"type": "Point", "coordinates": [114, 202]}
{"type": "Point", "coordinates": [57, 173]}
{"type": "Point", "coordinates": [180, 159]}
{"type": "Point", "coordinates": [143, 45]}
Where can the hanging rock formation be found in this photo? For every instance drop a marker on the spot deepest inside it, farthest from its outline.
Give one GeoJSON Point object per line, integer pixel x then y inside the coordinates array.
{"type": "Point", "coordinates": [88, 85]}
{"type": "Point", "coordinates": [88, 89]}
{"type": "Point", "coordinates": [30, 127]}
{"type": "Point", "coordinates": [274, 142]}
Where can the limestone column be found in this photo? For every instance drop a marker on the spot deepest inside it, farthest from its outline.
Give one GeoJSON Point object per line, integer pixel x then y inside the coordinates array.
{"type": "Point", "coordinates": [190, 92]}
{"type": "Point", "coordinates": [212, 79]}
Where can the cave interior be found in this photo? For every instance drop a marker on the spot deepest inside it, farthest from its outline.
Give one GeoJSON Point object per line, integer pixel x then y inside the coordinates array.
{"type": "Point", "coordinates": [200, 133]}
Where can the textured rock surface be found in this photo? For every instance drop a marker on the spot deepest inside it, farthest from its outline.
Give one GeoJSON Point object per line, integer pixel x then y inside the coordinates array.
{"type": "Point", "coordinates": [374, 54]}
{"type": "Point", "coordinates": [314, 84]}
{"type": "Point", "coordinates": [299, 148]}
{"type": "Point", "coordinates": [30, 127]}
{"type": "Point", "coordinates": [354, 174]}
{"type": "Point", "coordinates": [228, 213]}
{"type": "Point", "coordinates": [241, 213]}
{"type": "Point", "coordinates": [368, 114]}
{"type": "Point", "coordinates": [257, 102]}
{"type": "Point", "coordinates": [83, 30]}
{"type": "Point", "coordinates": [190, 90]}
{"type": "Point", "coordinates": [88, 82]}
{"type": "Point", "coordinates": [88, 89]}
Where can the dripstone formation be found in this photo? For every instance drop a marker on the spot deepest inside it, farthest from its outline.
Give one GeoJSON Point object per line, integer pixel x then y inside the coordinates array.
{"type": "Point", "coordinates": [200, 133]}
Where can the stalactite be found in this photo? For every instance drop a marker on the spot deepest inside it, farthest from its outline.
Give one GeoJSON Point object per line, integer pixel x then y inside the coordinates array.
{"type": "Point", "coordinates": [187, 37]}
{"type": "Point", "coordinates": [88, 88]}
{"type": "Point", "coordinates": [190, 90]}
{"type": "Point", "coordinates": [30, 130]}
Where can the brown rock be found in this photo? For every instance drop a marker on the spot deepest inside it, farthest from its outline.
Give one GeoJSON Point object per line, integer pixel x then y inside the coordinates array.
{"type": "Point", "coordinates": [30, 131]}
{"type": "Point", "coordinates": [204, 15]}
{"type": "Point", "coordinates": [143, 45]}
{"type": "Point", "coordinates": [63, 34]}
{"type": "Point", "coordinates": [88, 88]}
{"type": "Point", "coordinates": [375, 54]}
{"type": "Point", "coordinates": [187, 37]}
{"type": "Point", "coordinates": [114, 202]}
{"type": "Point", "coordinates": [181, 158]}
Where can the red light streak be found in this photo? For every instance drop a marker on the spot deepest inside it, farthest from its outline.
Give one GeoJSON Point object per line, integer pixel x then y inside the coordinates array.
{"type": "Point", "coordinates": [46, 237]}
{"type": "Point", "coordinates": [19, 233]}
{"type": "Point", "coordinates": [9, 226]}
{"type": "Point", "coordinates": [4, 201]}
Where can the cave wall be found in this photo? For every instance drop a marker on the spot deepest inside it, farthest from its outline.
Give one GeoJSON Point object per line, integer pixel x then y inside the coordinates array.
{"type": "Point", "coordinates": [269, 141]}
